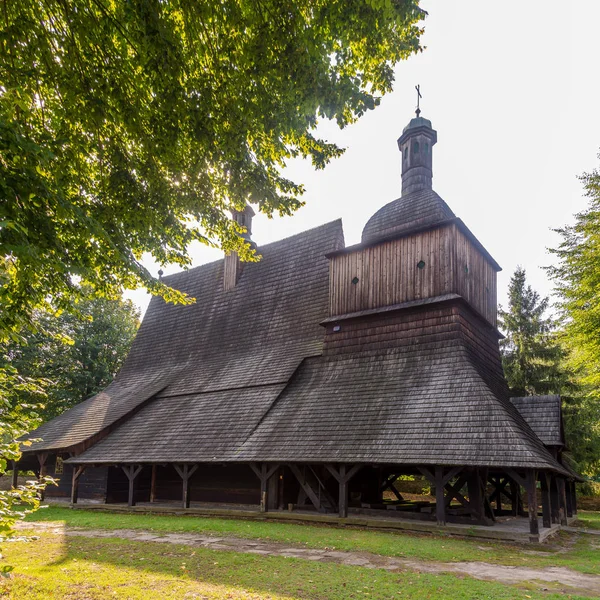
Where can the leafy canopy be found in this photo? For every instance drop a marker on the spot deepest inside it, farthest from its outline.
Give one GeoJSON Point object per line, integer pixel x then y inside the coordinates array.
{"type": "Point", "coordinates": [132, 127]}
{"type": "Point", "coordinates": [73, 356]}
{"type": "Point", "coordinates": [577, 278]}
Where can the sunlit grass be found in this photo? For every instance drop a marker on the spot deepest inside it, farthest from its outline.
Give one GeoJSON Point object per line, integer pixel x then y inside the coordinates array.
{"type": "Point", "coordinates": [578, 554]}
{"type": "Point", "coordinates": [588, 518]}
{"type": "Point", "coordinates": [86, 568]}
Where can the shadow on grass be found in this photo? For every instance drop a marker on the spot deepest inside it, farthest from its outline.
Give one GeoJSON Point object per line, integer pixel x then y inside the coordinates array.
{"type": "Point", "coordinates": [133, 568]}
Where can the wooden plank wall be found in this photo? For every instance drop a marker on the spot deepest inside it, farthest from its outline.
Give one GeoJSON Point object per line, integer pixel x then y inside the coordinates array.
{"type": "Point", "coordinates": [475, 278]}
{"type": "Point", "coordinates": [388, 273]}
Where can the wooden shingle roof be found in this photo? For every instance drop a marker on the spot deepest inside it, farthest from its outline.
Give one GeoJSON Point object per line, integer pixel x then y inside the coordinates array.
{"type": "Point", "coordinates": [420, 404]}
{"type": "Point", "coordinates": [544, 416]}
{"type": "Point", "coordinates": [253, 335]}
{"type": "Point", "coordinates": [416, 210]}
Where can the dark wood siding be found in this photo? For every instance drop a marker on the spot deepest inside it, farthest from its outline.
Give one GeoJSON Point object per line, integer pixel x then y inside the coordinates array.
{"type": "Point", "coordinates": [475, 277]}
{"type": "Point", "coordinates": [92, 484]}
{"type": "Point", "coordinates": [424, 265]}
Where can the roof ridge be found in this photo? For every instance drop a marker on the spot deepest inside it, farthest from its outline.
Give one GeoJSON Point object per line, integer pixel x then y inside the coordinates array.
{"type": "Point", "coordinates": [268, 245]}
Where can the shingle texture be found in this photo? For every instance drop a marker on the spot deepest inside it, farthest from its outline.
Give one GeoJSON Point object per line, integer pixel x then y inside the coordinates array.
{"type": "Point", "coordinates": [423, 208]}
{"type": "Point", "coordinates": [544, 416]}
{"type": "Point", "coordinates": [421, 404]}
{"type": "Point", "coordinates": [253, 335]}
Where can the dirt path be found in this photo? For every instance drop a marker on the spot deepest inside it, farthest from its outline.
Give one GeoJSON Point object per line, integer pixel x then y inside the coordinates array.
{"type": "Point", "coordinates": [479, 570]}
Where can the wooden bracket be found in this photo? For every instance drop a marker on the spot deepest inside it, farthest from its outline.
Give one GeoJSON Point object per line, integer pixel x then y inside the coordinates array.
{"type": "Point", "coordinates": [343, 475]}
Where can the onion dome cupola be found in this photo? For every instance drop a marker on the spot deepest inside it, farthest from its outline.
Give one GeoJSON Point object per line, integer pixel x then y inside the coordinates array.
{"type": "Point", "coordinates": [419, 206]}
{"type": "Point", "coordinates": [416, 146]}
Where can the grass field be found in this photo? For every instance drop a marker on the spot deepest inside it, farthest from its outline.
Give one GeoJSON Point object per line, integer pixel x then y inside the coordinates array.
{"type": "Point", "coordinates": [589, 519]}
{"type": "Point", "coordinates": [82, 569]}
{"type": "Point", "coordinates": [579, 555]}
{"type": "Point", "coordinates": [78, 568]}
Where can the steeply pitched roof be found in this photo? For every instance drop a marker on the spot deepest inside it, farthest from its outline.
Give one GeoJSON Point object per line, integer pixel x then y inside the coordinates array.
{"type": "Point", "coordinates": [420, 404]}
{"type": "Point", "coordinates": [193, 428]}
{"type": "Point", "coordinates": [413, 211]}
{"type": "Point", "coordinates": [544, 416]}
{"type": "Point", "coordinates": [253, 335]}
{"type": "Point", "coordinates": [88, 418]}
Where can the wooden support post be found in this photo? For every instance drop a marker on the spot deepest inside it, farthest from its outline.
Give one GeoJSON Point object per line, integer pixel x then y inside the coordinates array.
{"type": "Point", "coordinates": [343, 475]}
{"type": "Point", "coordinates": [546, 511]}
{"type": "Point", "coordinates": [439, 479]}
{"type": "Point", "coordinates": [569, 495]}
{"type": "Point", "coordinates": [440, 507]}
{"type": "Point", "coordinates": [574, 498]}
{"type": "Point", "coordinates": [153, 484]}
{"type": "Point", "coordinates": [554, 500]}
{"type": "Point", "coordinates": [264, 473]}
{"type": "Point", "coordinates": [475, 491]}
{"type": "Point", "coordinates": [499, 487]}
{"type": "Point", "coordinates": [264, 492]}
{"type": "Point", "coordinates": [273, 490]}
{"type": "Point", "coordinates": [132, 472]}
{"type": "Point", "coordinates": [15, 475]}
{"type": "Point", "coordinates": [532, 508]}
{"type": "Point", "coordinates": [515, 497]}
{"type": "Point", "coordinates": [77, 473]}
{"type": "Point", "coordinates": [185, 472]}
{"type": "Point", "coordinates": [562, 501]}
{"type": "Point", "coordinates": [42, 457]}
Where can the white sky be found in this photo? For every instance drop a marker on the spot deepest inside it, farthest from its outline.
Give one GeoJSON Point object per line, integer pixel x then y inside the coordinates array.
{"type": "Point", "coordinates": [512, 89]}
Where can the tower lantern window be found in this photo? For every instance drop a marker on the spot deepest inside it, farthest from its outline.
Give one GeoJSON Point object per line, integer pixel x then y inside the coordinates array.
{"type": "Point", "coordinates": [415, 147]}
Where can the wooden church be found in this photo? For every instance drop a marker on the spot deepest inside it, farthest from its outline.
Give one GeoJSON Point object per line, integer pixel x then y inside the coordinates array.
{"type": "Point", "coordinates": [315, 378]}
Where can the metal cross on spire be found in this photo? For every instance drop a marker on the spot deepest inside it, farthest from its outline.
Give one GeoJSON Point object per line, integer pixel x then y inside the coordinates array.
{"type": "Point", "coordinates": [418, 88]}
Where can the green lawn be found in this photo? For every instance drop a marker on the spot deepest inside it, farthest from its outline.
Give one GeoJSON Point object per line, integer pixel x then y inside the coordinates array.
{"type": "Point", "coordinates": [578, 553]}
{"type": "Point", "coordinates": [89, 569]}
{"type": "Point", "coordinates": [588, 518]}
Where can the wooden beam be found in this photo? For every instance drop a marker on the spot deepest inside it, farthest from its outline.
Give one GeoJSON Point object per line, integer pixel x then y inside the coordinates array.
{"type": "Point", "coordinates": [475, 495]}
{"type": "Point", "coordinates": [389, 484]}
{"type": "Point", "coordinates": [153, 484]}
{"type": "Point", "coordinates": [428, 474]}
{"type": "Point", "coordinates": [264, 494]}
{"type": "Point", "coordinates": [562, 501]}
{"type": "Point", "coordinates": [307, 489]}
{"type": "Point", "coordinates": [264, 472]}
{"type": "Point", "coordinates": [343, 475]}
{"type": "Point", "coordinates": [546, 512]}
{"type": "Point", "coordinates": [15, 475]}
{"type": "Point", "coordinates": [440, 508]}
{"type": "Point", "coordinates": [455, 492]}
{"type": "Point", "coordinates": [568, 485]}
{"type": "Point", "coordinates": [554, 500]}
{"type": "Point", "coordinates": [451, 474]}
{"type": "Point", "coordinates": [77, 473]}
{"type": "Point", "coordinates": [132, 471]}
{"type": "Point", "coordinates": [534, 527]}
{"type": "Point", "coordinates": [185, 472]}
{"type": "Point", "coordinates": [42, 457]}
{"type": "Point", "coordinates": [517, 477]}
{"type": "Point", "coordinates": [515, 497]}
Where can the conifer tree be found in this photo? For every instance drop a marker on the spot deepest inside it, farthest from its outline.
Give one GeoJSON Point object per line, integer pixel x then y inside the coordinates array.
{"type": "Point", "coordinates": [531, 354]}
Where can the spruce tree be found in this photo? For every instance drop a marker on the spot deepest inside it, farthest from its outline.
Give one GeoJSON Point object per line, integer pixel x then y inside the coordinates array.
{"type": "Point", "coordinates": [531, 354]}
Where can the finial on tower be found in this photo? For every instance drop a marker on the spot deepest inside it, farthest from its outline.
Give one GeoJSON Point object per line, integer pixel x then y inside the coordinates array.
{"type": "Point", "coordinates": [418, 88]}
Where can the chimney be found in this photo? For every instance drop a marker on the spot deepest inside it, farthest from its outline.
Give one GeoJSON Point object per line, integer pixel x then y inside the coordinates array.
{"type": "Point", "coordinates": [232, 269]}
